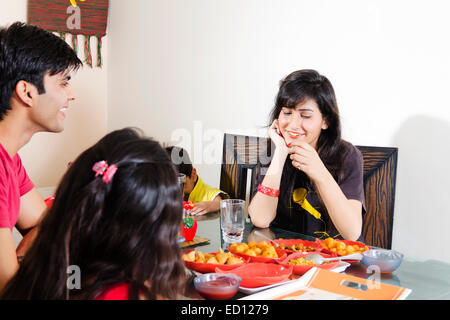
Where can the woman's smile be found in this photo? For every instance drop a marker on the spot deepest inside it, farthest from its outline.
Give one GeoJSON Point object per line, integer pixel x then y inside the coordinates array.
{"type": "Point", "coordinates": [294, 134]}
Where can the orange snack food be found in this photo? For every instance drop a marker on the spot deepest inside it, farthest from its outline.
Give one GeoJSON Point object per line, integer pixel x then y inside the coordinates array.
{"type": "Point", "coordinates": [254, 249]}
{"type": "Point", "coordinates": [342, 247]}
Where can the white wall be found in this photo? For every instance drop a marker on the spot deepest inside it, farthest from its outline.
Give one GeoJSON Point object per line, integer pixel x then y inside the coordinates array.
{"type": "Point", "coordinates": [203, 67]}
{"type": "Point", "coordinates": [46, 155]}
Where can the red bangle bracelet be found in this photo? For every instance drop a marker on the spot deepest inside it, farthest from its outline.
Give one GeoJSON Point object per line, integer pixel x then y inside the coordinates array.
{"type": "Point", "coordinates": [268, 191]}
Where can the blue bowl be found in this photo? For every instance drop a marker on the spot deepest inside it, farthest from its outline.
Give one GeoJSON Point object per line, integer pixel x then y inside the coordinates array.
{"type": "Point", "coordinates": [387, 261]}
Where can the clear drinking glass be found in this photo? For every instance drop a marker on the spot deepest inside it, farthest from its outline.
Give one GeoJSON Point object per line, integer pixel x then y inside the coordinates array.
{"type": "Point", "coordinates": [232, 219]}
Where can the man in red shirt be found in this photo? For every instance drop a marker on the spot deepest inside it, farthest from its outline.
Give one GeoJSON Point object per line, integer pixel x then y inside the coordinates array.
{"type": "Point", "coordinates": [35, 68]}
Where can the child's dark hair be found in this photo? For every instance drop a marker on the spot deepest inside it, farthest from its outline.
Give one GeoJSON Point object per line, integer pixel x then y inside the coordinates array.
{"type": "Point", "coordinates": [27, 53]}
{"type": "Point", "coordinates": [122, 231]}
{"type": "Point", "coordinates": [180, 158]}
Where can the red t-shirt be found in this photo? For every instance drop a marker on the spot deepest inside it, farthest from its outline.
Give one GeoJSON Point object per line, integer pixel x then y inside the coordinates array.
{"type": "Point", "coordinates": [119, 291]}
{"type": "Point", "coordinates": [14, 183]}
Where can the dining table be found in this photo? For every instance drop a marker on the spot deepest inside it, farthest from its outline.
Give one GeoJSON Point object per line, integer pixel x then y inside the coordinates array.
{"type": "Point", "coordinates": [427, 279]}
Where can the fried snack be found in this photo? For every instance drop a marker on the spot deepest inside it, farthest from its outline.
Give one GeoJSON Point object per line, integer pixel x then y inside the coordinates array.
{"type": "Point", "coordinates": [250, 252]}
{"type": "Point", "coordinates": [200, 257]}
{"type": "Point", "coordinates": [233, 260]}
{"type": "Point", "coordinates": [301, 262]}
{"type": "Point", "coordinates": [220, 258]}
{"type": "Point", "coordinates": [255, 249]}
{"type": "Point", "coordinates": [189, 256]}
{"type": "Point", "coordinates": [298, 247]}
{"type": "Point", "coordinates": [241, 248]}
{"type": "Point", "coordinates": [341, 248]}
{"type": "Point", "coordinates": [213, 260]}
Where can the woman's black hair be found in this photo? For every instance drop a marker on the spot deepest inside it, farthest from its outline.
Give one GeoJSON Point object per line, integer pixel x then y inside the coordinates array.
{"type": "Point", "coordinates": [295, 89]}
{"type": "Point", "coordinates": [122, 231]}
{"type": "Point", "coordinates": [27, 53]}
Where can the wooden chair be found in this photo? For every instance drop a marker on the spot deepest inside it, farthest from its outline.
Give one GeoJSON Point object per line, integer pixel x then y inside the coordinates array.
{"type": "Point", "coordinates": [242, 154]}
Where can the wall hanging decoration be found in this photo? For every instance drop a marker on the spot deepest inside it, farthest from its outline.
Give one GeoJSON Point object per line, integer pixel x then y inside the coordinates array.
{"type": "Point", "coordinates": [77, 17]}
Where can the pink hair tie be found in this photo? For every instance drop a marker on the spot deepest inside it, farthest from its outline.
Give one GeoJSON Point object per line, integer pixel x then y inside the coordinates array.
{"type": "Point", "coordinates": [101, 168]}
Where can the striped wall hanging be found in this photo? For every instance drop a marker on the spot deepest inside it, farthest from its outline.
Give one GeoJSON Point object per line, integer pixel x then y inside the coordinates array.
{"type": "Point", "coordinates": [77, 17]}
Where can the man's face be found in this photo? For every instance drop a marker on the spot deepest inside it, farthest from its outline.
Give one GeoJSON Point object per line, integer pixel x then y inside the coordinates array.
{"type": "Point", "coordinates": [49, 109]}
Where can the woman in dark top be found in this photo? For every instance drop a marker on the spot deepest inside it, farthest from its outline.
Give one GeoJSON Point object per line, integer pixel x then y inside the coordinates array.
{"type": "Point", "coordinates": [314, 183]}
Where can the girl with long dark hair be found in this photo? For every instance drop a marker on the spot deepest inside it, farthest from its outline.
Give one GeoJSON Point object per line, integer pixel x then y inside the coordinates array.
{"type": "Point", "coordinates": [115, 221]}
{"type": "Point", "coordinates": [314, 183]}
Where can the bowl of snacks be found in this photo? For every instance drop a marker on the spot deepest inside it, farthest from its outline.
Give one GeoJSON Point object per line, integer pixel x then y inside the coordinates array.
{"type": "Point", "coordinates": [301, 265]}
{"type": "Point", "coordinates": [342, 247]}
{"type": "Point", "coordinates": [386, 260]}
{"type": "Point", "coordinates": [257, 274]}
{"type": "Point", "coordinates": [261, 251]}
{"type": "Point", "coordinates": [217, 286]}
{"type": "Point", "coordinates": [207, 262]}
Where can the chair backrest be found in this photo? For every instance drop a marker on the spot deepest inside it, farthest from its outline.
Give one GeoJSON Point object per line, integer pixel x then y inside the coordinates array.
{"type": "Point", "coordinates": [380, 173]}
{"type": "Point", "coordinates": [243, 153]}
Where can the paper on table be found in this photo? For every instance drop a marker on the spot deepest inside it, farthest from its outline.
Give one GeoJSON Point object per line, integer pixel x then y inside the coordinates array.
{"type": "Point", "coordinates": [319, 284]}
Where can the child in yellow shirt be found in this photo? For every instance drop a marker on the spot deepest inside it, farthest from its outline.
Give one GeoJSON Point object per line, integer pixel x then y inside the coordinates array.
{"type": "Point", "coordinates": [205, 198]}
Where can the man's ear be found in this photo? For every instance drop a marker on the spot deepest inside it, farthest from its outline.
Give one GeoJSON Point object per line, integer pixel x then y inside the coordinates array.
{"type": "Point", "coordinates": [194, 174]}
{"type": "Point", "coordinates": [25, 92]}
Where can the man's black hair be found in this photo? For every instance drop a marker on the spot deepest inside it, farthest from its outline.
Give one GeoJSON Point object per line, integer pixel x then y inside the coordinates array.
{"type": "Point", "coordinates": [28, 53]}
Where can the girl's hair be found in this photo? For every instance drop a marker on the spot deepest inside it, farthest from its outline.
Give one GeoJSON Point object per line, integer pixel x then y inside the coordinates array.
{"type": "Point", "coordinates": [122, 231]}
{"type": "Point", "coordinates": [295, 89]}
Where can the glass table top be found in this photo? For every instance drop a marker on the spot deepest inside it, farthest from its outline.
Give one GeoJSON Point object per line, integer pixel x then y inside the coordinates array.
{"type": "Point", "coordinates": [428, 279]}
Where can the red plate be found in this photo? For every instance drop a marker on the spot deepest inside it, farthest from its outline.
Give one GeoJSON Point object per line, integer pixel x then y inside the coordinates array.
{"type": "Point", "coordinates": [210, 267]}
{"type": "Point", "coordinates": [256, 275]}
{"type": "Point", "coordinates": [300, 270]}
{"type": "Point", "coordinates": [280, 252]}
{"type": "Point", "coordinates": [347, 243]}
{"type": "Point", "coordinates": [289, 242]}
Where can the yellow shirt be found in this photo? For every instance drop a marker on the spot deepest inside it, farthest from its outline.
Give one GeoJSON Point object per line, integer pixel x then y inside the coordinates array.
{"type": "Point", "coordinates": [203, 192]}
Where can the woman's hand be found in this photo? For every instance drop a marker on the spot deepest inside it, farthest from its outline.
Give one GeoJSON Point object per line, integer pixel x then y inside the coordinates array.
{"type": "Point", "coordinates": [277, 138]}
{"type": "Point", "coordinates": [305, 158]}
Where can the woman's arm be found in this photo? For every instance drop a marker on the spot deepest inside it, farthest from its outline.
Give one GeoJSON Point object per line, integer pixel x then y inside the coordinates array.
{"type": "Point", "coordinates": [344, 213]}
{"type": "Point", "coordinates": [263, 209]}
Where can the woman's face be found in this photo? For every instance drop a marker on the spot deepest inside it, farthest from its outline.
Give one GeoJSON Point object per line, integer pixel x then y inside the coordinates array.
{"type": "Point", "coordinates": [302, 123]}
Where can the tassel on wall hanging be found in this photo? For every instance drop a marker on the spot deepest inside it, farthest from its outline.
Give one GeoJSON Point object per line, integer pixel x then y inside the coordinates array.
{"type": "Point", "coordinates": [77, 17]}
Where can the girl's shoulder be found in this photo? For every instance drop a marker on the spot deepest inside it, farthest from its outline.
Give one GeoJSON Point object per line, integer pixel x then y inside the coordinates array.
{"type": "Point", "coordinates": [118, 291]}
